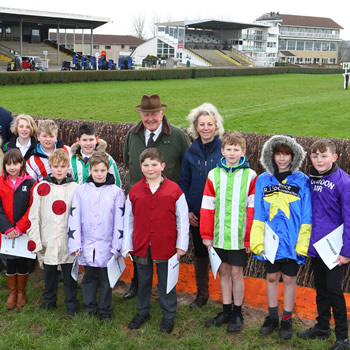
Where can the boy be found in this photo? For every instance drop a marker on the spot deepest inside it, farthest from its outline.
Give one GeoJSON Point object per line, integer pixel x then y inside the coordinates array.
{"type": "Point", "coordinates": [156, 228]}
{"type": "Point", "coordinates": [330, 193]}
{"type": "Point", "coordinates": [87, 144]}
{"type": "Point", "coordinates": [96, 232]}
{"type": "Point", "coordinates": [283, 202]}
{"type": "Point", "coordinates": [225, 221]}
{"type": "Point", "coordinates": [49, 213]}
{"type": "Point", "coordinates": [38, 164]}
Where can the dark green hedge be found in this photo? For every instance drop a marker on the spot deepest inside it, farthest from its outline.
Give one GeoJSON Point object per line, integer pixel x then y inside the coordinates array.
{"type": "Point", "coordinates": [24, 78]}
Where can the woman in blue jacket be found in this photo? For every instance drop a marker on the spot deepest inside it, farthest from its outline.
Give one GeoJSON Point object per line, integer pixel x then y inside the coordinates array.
{"type": "Point", "coordinates": [206, 127]}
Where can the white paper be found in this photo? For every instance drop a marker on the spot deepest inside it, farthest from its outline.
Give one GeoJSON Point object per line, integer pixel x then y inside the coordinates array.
{"type": "Point", "coordinates": [215, 261]}
{"type": "Point", "coordinates": [16, 246]}
{"type": "Point", "coordinates": [328, 247]}
{"type": "Point", "coordinates": [75, 269]}
{"type": "Point", "coordinates": [173, 273]}
{"type": "Point", "coordinates": [115, 269]}
{"type": "Point", "coordinates": [271, 242]}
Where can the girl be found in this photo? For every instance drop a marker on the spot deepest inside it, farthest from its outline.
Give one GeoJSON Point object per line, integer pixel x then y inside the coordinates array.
{"type": "Point", "coordinates": [15, 200]}
{"type": "Point", "coordinates": [24, 129]}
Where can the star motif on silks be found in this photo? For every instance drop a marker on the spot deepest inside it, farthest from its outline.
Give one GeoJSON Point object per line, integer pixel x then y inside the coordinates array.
{"type": "Point", "coordinates": [121, 234]}
{"type": "Point", "coordinates": [71, 210]}
{"type": "Point", "coordinates": [122, 209]}
{"type": "Point", "coordinates": [70, 233]}
{"type": "Point", "coordinates": [280, 200]}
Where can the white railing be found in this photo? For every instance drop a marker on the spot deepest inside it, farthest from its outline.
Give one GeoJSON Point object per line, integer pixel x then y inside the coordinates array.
{"type": "Point", "coordinates": [310, 35]}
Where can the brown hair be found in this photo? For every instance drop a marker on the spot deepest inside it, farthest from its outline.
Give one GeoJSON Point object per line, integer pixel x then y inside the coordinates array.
{"type": "Point", "coordinates": [14, 156]}
{"type": "Point", "coordinates": [48, 126]}
{"type": "Point", "coordinates": [59, 156]}
{"type": "Point", "coordinates": [29, 120]}
{"type": "Point", "coordinates": [152, 153]}
{"type": "Point", "coordinates": [322, 145]}
{"type": "Point", "coordinates": [99, 157]}
{"type": "Point", "coordinates": [234, 138]}
{"type": "Point", "coordinates": [282, 148]}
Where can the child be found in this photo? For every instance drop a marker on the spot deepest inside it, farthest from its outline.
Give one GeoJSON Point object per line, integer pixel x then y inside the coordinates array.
{"type": "Point", "coordinates": [87, 144]}
{"type": "Point", "coordinates": [49, 213]}
{"type": "Point", "coordinates": [225, 221]}
{"type": "Point", "coordinates": [282, 201]}
{"type": "Point", "coordinates": [24, 129]}
{"type": "Point", "coordinates": [15, 198]}
{"type": "Point", "coordinates": [156, 228]}
{"type": "Point", "coordinates": [96, 232]}
{"type": "Point", "coordinates": [38, 164]}
{"type": "Point", "coordinates": [330, 193]}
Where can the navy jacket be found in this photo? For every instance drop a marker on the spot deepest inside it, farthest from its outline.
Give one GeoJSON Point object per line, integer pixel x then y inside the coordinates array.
{"type": "Point", "coordinates": [5, 121]}
{"type": "Point", "coordinates": [198, 160]}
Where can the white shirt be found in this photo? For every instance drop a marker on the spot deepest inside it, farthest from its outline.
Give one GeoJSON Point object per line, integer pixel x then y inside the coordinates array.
{"type": "Point", "coordinates": [25, 148]}
{"type": "Point", "coordinates": [156, 133]}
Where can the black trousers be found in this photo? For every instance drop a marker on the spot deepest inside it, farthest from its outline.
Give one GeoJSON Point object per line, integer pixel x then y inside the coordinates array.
{"type": "Point", "coordinates": [330, 296]}
{"type": "Point", "coordinates": [200, 250]}
{"type": "Point", "coordinates": [95, 277]}
{"type": "Point", "coordinates": [168, 302]}
{"type": "Point", "coordinates": [69, 285]}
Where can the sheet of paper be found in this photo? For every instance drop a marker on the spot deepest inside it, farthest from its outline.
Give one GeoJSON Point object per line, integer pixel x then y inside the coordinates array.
{"type": "Point", "coordinates": [215, 261]}
{"type": "Point", "coordinates": [328, 247]}
{"type": "Point", "coordinates": [173, 273]}
{"type": "Point", "coordinates": [16, 246]}
{"type": "Point", "coordinates": [271, 242]}
{"type": "Point", "coordinates": [115, 269]}
{"type": "Point", "coordinates": [75, 269]}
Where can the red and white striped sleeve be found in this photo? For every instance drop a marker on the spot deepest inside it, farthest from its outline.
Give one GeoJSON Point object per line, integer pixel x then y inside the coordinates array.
{"type": "Point", "coordinates": [250, 211]}
{"type": "Point", "coordinates": [207, 213]}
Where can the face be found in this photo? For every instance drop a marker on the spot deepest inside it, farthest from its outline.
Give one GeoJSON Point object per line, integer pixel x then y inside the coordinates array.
{"type": "Point", "coordinates": [47, 141]}
{"type": "Point", "coordinates": [206, 128]}
{"type": "Point", "coordinates": [151, 120]}
{"type": "Point", "coordinates": [152, 168]}
{"type": "Point", "coordinates": [13, 169]}
{"type": "Point", "coordinates": [87, 143]}
{"type": "Point", "coordinates": [59, 171]}
{"type": "Point", "coordinates": [232, 154]}
{"type": "Point", "coordinates": [23, 129]}
{"type": "Point", "coordinates": [99, 173]}
{"type": "Point", "coordinates": [323, 161]}
{"type": "Point", "coordinates": [283, 161]}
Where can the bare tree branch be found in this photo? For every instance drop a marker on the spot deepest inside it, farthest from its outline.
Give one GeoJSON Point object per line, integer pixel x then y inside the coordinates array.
{"type": "Point", "coordinates": [139, 26]}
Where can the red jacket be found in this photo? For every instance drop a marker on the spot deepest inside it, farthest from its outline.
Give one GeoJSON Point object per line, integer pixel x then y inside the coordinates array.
{"type": "Point", "coordinates": [155, 219]}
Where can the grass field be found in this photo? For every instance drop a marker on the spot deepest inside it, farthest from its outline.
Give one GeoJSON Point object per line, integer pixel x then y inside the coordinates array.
{"type": "Point", "coordinates": [302, 105]}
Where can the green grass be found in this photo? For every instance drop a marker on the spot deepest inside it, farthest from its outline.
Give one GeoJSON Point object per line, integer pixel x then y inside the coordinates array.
{"type": "Point", "coordinates": [28, 330]}
{"type": "Point", "coordinates": [302, 105]}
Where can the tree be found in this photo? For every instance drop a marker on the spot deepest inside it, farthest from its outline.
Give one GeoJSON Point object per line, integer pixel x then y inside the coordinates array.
{"type": "Point", "coordinates": [139, 26]}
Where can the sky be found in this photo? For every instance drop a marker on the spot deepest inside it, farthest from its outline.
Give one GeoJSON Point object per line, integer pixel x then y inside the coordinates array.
{"type": "Point", "coordinates": [122, 14]}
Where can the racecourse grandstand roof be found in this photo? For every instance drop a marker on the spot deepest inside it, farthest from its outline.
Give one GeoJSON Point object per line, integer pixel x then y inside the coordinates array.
{"type": "Point", "coordinates": [213, 24]}
{"type": "Point", "coordinates": [308, 21]}
{"type": "Point", "coordinates": [65, 20]}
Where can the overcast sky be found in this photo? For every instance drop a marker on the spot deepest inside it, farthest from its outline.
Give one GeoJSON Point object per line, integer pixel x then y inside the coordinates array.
{"type": "Point", "coordinates": [122, 13]}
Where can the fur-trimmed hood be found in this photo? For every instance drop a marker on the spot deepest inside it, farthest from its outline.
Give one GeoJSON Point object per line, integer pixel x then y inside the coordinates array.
{"type": "Point", "coordinates": [266, 158]}
{"type": "Point", "coordinates": [100, 146]}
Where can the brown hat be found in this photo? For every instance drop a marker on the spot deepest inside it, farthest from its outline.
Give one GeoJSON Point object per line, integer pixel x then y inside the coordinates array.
{"type": "Point", "coordinates": [150, 104]}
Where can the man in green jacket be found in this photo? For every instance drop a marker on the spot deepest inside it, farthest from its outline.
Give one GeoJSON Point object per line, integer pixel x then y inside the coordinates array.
{"type": "Point", "coordinates": [154, 130]}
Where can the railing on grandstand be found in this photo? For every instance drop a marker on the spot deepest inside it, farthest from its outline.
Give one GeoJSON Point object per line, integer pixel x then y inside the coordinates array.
{"type": "Point", "coordinates": [310, 35]}
{"type": "Point", "coordinates": [61, 48]}
{"type": "Point", "coordinates": [197, 54]}
{"type": "Point", "coordinates": [241, 54]}
{"type": "Point", "coordinates": [7, 51]}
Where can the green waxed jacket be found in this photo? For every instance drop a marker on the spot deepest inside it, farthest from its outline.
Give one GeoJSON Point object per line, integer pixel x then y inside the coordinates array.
{"type": "Point", "coordinates": [172, 141]}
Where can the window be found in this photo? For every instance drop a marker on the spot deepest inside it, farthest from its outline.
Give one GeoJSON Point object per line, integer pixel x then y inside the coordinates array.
{"type": "Point", "coordinates": [325, 46]}
{"type": "Point", "coordinates": [122, 46]}
{"type": "Point", "coordinates": [271, 44]}
{"type": "Point", "coordinates": [316, 60]}
{"type": "Point", "coordinates": [292, 30]}
{"type": "Point", "coordinates": [161, 29]}
{"type": "Point", "coordinates": [332, 61]}
{"type": "Point", "coordinates": [283, 45]}
{"type": "Point", "coordinates": [107, 47]}
{"type": "Point", "coordinates": [324, 60]}
{"type": "Point", "coordinates": [309, 45]}
{"type": "Point", "coordinates": [8, 30]}
{"type": "Point", "coordinates": [308, 60]}
{"type": "Point", "coordinates": [291, 44]}
{"type": "Point", "coordinates": [300, 60]}
{"type": "Point", "coordinates": [132, 47]}
{"type": "Point", "coordinates": [333, 47]}
{"type": "Point", "coordinates": [96, 47]}
{"type": "Point", "coordinates": [317, 46]}
{"type": "Point", "coordinates": [300, 45]}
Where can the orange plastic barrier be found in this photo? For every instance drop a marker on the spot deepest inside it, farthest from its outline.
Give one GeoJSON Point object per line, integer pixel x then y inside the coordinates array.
{"type": "Point", "coordinates": [254, 295]}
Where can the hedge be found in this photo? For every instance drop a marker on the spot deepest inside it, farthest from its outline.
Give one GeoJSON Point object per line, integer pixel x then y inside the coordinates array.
{"type": "Point", "coordinates": [115, 134]}
{"type": "Point", "coordinates": [25, 78]}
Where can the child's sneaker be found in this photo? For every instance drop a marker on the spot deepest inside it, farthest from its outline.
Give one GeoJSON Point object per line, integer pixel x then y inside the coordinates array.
{"type": "Point", "coordinates": [286, 329]}
{"type": "Point", "coordinates": [218, 320]}
{"type": "Point", "coordinates": [235, 324]}
{"type": "Point", "coordinates": [269, 325]}
{"type": "Point", "coordinates": [341, 344]}
{"type": "Point", "coordinates": [314, 332]}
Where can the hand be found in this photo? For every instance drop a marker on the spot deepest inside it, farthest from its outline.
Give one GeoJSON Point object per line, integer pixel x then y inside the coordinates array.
{"type": "Point", "coordinates": [77, 253]}
{"type": "Point", "coordinates": [247, 250]}
{"type": "Point", "coordinates": [12, 234]}
{"type": "Point", "coordinates": [129, 256]}
{"type": "Point", "coordinates": [262, 254]}
{"type": "Point", "coordinates": [342, 260]}
{"type": "Point", "coordinates": [193, 219]}
{"type": "Point", "coordinates": [180, 253]}
{"type": "Point", "coordinates": [207, 242]}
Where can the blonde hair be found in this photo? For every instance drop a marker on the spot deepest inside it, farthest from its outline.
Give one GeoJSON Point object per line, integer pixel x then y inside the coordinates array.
{"type": "Point", "coordinates": [234, 138]}
{"type": "Point", "coordinates": [48, 126]}
{"type": "Point", "coordinates": [29, 120]}
{"type": "Point", "coordinates": [59, 156]}
{"type": "Point", "coordinates": [205, 109]}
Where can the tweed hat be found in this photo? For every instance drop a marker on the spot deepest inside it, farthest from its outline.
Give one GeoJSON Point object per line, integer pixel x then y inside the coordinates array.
{"type": "Point", "coordinates": [150, 104]}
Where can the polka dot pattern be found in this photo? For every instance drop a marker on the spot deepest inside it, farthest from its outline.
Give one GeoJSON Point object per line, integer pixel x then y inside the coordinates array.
{"type": "Point", "coordinates": [59, 207]}
{"type": "Point", "coordinates": [44, 189]}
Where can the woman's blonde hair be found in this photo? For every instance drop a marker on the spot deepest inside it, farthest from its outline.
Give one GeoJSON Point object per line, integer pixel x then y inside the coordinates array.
{"type": "Point", "coordinates": [29, 120]}
{"type": "Point", "coordinates": [205, 109]}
